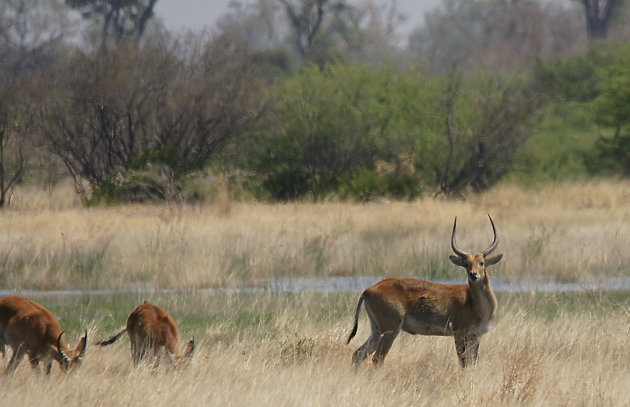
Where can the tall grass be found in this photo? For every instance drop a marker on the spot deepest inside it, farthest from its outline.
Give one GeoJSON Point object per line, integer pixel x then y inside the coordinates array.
{"type": "Point", "coordinates": [565, 232]}
{"type": "Point", "coordinates": [290, 350]}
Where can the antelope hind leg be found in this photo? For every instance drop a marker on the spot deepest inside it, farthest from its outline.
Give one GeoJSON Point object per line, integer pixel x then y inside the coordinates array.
{"type": "Point", "coordinates": [385, 344]}
{"type": "Point", "coordinates": [366, 349]}
{"type": "Point", "coordinates": [16, 358]}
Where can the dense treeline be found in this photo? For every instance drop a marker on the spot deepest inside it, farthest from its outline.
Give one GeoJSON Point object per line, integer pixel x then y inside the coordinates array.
{"type": "Point", "coordinates": [307, 99]}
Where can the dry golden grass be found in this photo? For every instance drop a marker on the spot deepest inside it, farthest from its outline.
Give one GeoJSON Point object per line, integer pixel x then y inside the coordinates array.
{"type": "Point", "coordinates": [290, 350]}
{"type": "Point", "coordinates": [564, 233]}
{"type": "Point", "coordinates": [574, 359]}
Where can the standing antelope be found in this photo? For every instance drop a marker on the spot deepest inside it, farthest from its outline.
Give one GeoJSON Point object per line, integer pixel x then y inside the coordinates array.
{"type": "Point", "coordinates": [150, 328]}
{"type": "Point", "coordinates": [423, 307]}
{"type": "Point", "coordinates": [29, 328]}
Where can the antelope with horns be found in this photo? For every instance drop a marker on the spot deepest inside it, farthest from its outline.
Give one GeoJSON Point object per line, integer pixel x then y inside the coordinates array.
{"type": "Point", "coordinates": [151, 328]}
{"type": "Point", "coordinates": [420, 307]}
{"type": "Point", "coordinates": [30, 329]}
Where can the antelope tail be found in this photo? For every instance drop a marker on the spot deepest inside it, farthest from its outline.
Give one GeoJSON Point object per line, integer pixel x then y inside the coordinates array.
{"type": "Point", "coordinates": [112, 339]}
{"type": "Point", "coordinates": [356, 321]}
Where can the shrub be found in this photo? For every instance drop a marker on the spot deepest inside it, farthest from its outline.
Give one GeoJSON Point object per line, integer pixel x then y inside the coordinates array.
{"type": "Point", "coordinates": [612, 108]}
{"type": "Point", "coordinates": [327, 126]}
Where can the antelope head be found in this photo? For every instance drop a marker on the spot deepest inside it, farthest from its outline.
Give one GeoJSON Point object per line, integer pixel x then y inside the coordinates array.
{"type": "Point", "coordinates": [70, 359]}
{"type": "Point", "coordinates": [475, 265]}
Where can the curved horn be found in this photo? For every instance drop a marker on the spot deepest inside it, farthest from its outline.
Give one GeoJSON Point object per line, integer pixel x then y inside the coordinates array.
{"type": "Point", "coordinates": [495, 240]}
{"type": "Point", "coordinates": [83, 344]}
{"type": "Point", "coordinates": [458, 252]}
{"type": "Point", "coordinates": [62, 354]}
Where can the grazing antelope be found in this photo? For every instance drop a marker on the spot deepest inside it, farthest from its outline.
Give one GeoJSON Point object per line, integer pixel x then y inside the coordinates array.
{"type": "Point", "coordinates": [29, 328]}
{"type": "Point", "coordinates": [423, 307]}
{"type": "Point", "coordinates": [150, 328]}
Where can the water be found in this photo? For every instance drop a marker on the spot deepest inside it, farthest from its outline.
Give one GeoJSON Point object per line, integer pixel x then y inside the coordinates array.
{"type": "Point", "coordinates": [357, 284]}
{"type": "Point", "coordinates": [347, 285]}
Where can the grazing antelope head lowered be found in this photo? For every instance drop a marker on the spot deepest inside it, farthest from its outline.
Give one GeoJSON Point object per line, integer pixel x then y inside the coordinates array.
{"type": "Point", "coordinates": [30, 329]}
{"type": "Point", "coordinates": [151, 328]}
{"type": "Point", "coordinates": [423, 307]}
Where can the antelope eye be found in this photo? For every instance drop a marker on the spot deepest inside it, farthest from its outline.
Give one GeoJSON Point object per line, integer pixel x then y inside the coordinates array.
{"type": "Point", "coordinates": [481, 264]}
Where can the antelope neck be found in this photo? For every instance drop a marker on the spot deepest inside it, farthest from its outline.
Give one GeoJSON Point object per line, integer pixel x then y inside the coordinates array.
{"type": "Point", "coordinates": [483, 300]}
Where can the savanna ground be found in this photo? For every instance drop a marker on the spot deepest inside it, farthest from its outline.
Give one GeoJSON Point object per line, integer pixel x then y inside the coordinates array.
{"type": "Point", "coordinates": [267, 348]}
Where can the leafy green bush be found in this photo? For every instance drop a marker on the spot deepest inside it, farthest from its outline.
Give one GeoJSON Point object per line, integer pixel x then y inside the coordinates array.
{"type": "Point", "coordinates": [612, 109]}
{"type": "Point", "coordinates": [564, 138]}
{"type": "Point", "coordinates": [327, 126]}
{"type": "Point", "coordinates": [570, 79]}
{"type": "Point", "coordinates": [369, 185]}
{"type": "Point", "coordinates": [154, 183]}
{"type": "Point", "coordinates": [329, 130]}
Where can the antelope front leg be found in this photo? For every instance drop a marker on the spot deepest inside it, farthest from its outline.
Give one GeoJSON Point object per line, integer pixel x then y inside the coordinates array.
{"type": "Point", "coordinates": [467, 347]}
{"type": "Point", "coordinates": [35, 364]}
{"type": "Point", "coordinates": [48, 366]}
{"type": "Point", "coordinates": [473, 347]}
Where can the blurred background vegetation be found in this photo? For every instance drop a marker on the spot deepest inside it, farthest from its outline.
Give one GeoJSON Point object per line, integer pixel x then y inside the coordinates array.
{"type": "Point", "coordinates": [311, 99]}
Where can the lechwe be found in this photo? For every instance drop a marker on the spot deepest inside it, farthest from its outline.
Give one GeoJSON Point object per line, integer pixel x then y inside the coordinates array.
{"type": "Point", "coordinates": [150, 328]}
{"type": "Point", "coordinates": [420, 307]}
{"type": "Point", "coordinates": [31, 329]}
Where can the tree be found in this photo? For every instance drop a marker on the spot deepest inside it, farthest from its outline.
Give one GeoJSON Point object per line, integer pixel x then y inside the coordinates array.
{"type": "Point", "coordinates": [486, 121]}
{"type": "Point", "coordinates": [309, 21]}
{"type": "Point", "coordinates": [12, 136]}
{"type": "Point", "coordinates": [139, 116]}
{"type": "Point", "coordinates": [495, 34]}
{"type": "Point", "coordinates": [280, 33]}
{"type": "Point", "coordinates": [121, 19]}
{"type": "Point", "coordinates": [31, 34]}
{"type": "Point", "coordinates": [31, 40]}
{"type": "Point", "coordinates": [257, 24]}
{"type": "Point", "coordinates": [599, 15]}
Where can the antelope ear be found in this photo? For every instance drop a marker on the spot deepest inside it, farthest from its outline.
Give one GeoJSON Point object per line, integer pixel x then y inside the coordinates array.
{"type": "Point", "coordinates": [490, 261]}
{"type": "Point", "coordinates": [81, 348]}
{"type": "Point", "coordinates": [190, 349]}
{"type": "Point", "coordinates": [457, 261]}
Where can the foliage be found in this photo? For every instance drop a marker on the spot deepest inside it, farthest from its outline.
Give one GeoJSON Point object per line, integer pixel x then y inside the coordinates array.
{"type": "Point", "coordinates": [558, 151]}
{"type": "Point", "coordinates": [328, 125]}
{"type": "Point", "coordinates": [111, 112]}
{"type": "Point", "coordinates": [370, 184]}
{"type": "Point", "coordinates": [570, 79]}
{"type": "Point", "coordinates": [487, 120]}
{"type": "Point", "coordinates": [13, 131]}
{"type": "Point", "coordinates": [140, 120]}
{"type": "Point", "coordinates": [151, 183]}
{"type": "Point", "coordinates": [612, 151]}
{"type": "Point", "coordinates": [362, 133]}
{"type": "Point", "coordinates": [307, 19]}
{"type": "Point", "coordinates": [562, 147]}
